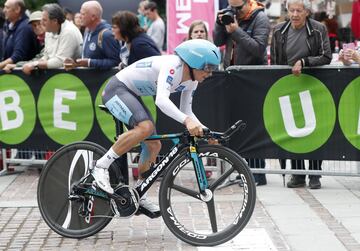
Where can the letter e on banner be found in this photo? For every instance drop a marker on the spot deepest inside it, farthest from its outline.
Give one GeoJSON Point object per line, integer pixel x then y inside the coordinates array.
{"type": "Point", "coordinates": [60, 109]}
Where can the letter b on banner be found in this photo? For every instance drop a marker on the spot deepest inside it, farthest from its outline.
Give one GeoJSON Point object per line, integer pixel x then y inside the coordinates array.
{"type": "Point", "coordinates": [17, 110]}
{"type": "Point", "coordinates": [299, 113]}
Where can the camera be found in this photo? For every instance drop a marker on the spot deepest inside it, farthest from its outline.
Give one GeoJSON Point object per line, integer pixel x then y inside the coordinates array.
{"type": "Point", "coordinates": [228, 16]}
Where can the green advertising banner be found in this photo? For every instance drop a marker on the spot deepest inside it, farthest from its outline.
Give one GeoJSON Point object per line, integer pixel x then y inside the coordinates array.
{"type": "Point", "coordinates": [313, 116]}
{"type": "Point", "coordinates": [294, 113]}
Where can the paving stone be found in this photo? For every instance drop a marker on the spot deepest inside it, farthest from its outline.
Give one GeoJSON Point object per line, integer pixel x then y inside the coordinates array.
{"type": "Point", "coordinates": [22, 225]}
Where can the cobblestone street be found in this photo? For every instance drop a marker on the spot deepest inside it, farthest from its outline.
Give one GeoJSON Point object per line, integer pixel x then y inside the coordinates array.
{"type": "Point", "coordinates": [284, 219]}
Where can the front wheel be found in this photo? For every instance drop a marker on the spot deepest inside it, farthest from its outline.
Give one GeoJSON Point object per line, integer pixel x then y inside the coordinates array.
{"type": "Point", "coordinates": [77, 218]}
{"type": "Point", "coordinates": [218, 216]}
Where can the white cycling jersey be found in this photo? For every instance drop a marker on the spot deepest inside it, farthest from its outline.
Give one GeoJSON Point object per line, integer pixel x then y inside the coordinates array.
{"type": "Point", "coordinates": [160, 76]}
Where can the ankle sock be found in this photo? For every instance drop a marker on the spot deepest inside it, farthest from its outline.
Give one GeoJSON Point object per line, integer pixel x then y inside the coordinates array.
{"type": "Point", "coordinates": [106, 160]}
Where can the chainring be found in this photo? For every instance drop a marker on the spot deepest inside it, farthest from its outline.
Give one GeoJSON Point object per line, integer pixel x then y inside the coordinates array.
{"type": "Point", "coordinates": [128, 205]}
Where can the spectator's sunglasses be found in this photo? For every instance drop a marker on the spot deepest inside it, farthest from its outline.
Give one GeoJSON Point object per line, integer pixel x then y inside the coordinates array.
{"type": "Point", "coordinates": [239, 8]}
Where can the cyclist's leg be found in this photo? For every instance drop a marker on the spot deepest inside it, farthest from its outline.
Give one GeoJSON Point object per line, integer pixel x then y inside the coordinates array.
{"type": "Point", "coordinates": [149, 149]}
{"type": "Point", "coordinates": [149, 152]}
{"type": "Point", "coordinates": [128, 108]}
{"type": "Point", "coordinates": [132, 137]}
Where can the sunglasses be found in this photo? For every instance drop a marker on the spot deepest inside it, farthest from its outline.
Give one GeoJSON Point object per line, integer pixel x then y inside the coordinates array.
{"type": "Point", "coordinates": [238, 8]}
{"type": "Point", "coordinates": [210, 67]}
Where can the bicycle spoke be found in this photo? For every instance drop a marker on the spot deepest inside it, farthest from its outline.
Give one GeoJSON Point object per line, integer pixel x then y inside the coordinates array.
{"type": "Point", "coordinates": [186, 191]}
{"type": "Point", "coordinates": [221, 179]}
{"type": "Point", "coordinates": [212, 215]}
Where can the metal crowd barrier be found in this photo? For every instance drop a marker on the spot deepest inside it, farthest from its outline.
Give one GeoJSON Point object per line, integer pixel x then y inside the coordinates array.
{"type": "Point", "coordinates": [37, 158]}
{"type": "Point", "coordinates": [15, 159]}
{"type": "Point", "coordinates": [329, 168]}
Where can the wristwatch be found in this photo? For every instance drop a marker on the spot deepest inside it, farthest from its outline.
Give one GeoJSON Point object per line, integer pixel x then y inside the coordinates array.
{"type": "Point", "coordinates": [35, 64]}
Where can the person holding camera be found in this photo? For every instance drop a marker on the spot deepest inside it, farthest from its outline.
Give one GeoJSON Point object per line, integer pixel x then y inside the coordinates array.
{"type": "Point", "coordinates": [244, 28]}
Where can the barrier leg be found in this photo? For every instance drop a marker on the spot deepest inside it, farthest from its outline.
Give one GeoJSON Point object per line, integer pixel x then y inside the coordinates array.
{"type": "Point", "coordinates": [3, 160]}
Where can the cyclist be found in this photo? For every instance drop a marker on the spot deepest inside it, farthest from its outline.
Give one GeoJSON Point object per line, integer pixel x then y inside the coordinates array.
{"type": "Point", "coordinates": [193, 61]}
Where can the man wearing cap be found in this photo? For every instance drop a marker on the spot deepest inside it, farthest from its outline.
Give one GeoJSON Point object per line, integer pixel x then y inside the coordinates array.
{"type": "Point", "coordinates": [62, 39]}
{"type": "Point", "coordinates": [39, 30]}
{"type": "Point", "coordinates": [20, 43]}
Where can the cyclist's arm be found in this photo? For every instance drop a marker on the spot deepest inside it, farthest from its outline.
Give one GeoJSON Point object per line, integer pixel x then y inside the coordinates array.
{"type": "Point", "coordinates": [186, 104]}
{"type": "Point", "coordinates": [162, 96]}
{"type": "Point", "coordinates": [168, 107]}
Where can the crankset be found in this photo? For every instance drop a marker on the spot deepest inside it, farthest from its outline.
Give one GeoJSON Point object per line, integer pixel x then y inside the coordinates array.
{"type": "Point", "coordinates": [124, 201]}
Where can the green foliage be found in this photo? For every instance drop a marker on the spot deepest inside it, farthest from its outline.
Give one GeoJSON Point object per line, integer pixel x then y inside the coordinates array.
{"type": "Point", "coordinates": [32, 4]}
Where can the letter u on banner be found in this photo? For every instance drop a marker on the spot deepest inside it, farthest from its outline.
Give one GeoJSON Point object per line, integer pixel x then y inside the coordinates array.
{"type": "Point", "coordinates": [289, 120]}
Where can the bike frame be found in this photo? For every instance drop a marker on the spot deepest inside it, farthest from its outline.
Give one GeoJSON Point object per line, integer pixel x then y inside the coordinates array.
{"type": "Point", "coordinates": [175, 151]}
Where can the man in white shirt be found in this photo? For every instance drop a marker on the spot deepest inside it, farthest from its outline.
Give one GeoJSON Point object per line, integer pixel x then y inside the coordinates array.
{"type": "Point", "coordinates": [157, 28]}
{"type": "Point", "coordinates": [62, 40]}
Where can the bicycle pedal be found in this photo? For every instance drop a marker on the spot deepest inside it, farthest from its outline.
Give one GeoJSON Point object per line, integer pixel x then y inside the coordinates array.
{"type": "Point", "coordinates": [148, 213]}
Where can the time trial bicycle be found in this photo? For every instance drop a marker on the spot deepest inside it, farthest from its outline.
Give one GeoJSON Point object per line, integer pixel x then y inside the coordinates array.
{"type": "Point", "coordinates": [197, 210]}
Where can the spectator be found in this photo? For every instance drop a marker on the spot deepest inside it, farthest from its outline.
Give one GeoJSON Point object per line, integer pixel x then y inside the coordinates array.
{"type": "Point", "coordinates": [20, 43]}
{"type": "Point", "coordinates": [69, 15]}
{"type": "Point", "coordinates": [62, 39]}
{"type": "Point", "coordinates": [197, 30]}
{"type": "Point", "coordinates": [38, 27]}
{"type": "Point", "coordinates": [349, 56]}
{"type": "Point", "coordinates": [246, 39]}
{"type": "Point", "coordinates": [144, 22]}
{"type": "Point", "coordinates": [100, 49]}
{"type": "Point", "coordinates": [77, 22]}
{"type": "Point", "coordinates": [299, 42]}
{"type": "Point", "coordinates": [126, 28]}
{"type": "Point", "coordinates": [157, 29]}
{"type": "Point", "coordinates": [39, 30]}
{"type": "Point", "coordinates": [223, 4]}
{"type": "Point", "coordinates": [2, 21]}
{"type": "Point", "coordinates": [248, 34]}
{"type": "Point", "coordinates": [331, 26]}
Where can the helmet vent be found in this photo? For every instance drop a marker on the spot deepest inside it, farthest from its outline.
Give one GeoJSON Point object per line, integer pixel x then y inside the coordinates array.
{"type": "Point", "coordinates": [217, 56]}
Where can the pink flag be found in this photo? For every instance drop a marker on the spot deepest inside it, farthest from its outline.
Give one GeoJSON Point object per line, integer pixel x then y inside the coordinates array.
{"type": "Point", "coordinates": [181, 13]}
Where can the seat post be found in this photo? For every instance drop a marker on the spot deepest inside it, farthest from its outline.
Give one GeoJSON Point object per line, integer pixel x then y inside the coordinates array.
{"type": "Point", "coordinates": [119, 129]}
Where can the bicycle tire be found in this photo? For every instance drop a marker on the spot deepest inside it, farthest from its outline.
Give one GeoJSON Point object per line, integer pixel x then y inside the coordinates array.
{"type": "Point", "coordinates": [59, 213]}
{"type": "Point", "coordinates": [184, 212]}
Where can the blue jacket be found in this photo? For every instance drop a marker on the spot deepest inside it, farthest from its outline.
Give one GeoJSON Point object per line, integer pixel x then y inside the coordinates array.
{"type": "Point", "coordinates": [1, 43]}
{"type": "Point", "coordinates": [104, 52]}
{"type": "Point", "coordinates": [20, 43]}
{"type": "Point", "coordinates": [142, 46]}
